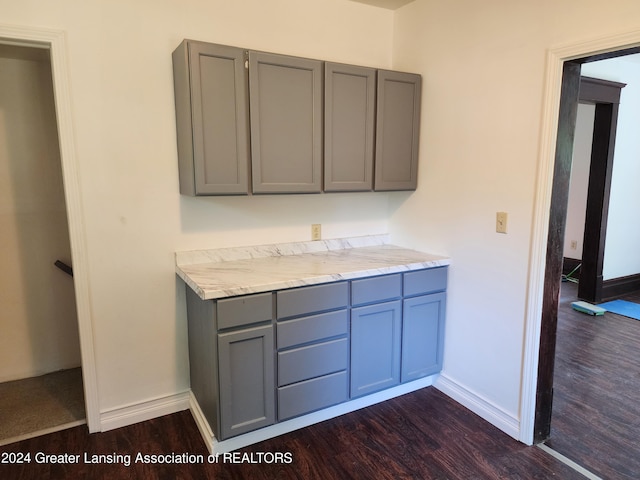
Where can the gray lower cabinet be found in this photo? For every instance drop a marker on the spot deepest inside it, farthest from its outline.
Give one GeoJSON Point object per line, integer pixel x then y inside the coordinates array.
{"type": "Point", "coordinates": [232, 365]}
{"type": "Point", "coordinates": [422, 336]}
{"type": "Point", "coordinates": [423, 319]}
{"type": "Point", "coordinates": [212, 118]}
{"type": "Point", "coordinates": [376, 329]}
{"type": "Point", "coordinates": [349, 127]}
{"type": "Point", "coordinates": [286, 123]}
{"type": "Point", "coordinates": [313, 348]}
{"type": "Point", "coordinates": [262, 358]}
{"type": "Point", "coordinates": [246, 368]}
{"type": "Point", "coordinates": [375, 347]}
{"type": "Point", "coordinates": [397, 130]}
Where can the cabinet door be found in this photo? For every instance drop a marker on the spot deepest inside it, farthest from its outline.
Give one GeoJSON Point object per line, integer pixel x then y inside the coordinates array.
{"type": "Point", "coordinates": [211, 88]}
{"type": "Point", "coordinates": [375, 347]}
{"type": "Point", "coordinates": [247, 380]}
{"type": "Point", "coordinates": [422, 336]}
{"type": "Point", "coordinates": [397, 130]}
{"type": "Point", "coordinates": [349, 122]}
{"type": "Point", "coordinates": [286, 123]}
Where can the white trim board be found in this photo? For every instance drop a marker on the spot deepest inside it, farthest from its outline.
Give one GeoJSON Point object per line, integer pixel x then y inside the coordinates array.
{"type": "Point", "coordinates": [55, 41]}
{"type": "Point", "coordinates": [537, 259]}
{"type": "Point", "coordinates": [234, 443]}
{"type": "Point", "coordinates": [479, 405]}
{"type": "Point", "coordinates": [140, 412]}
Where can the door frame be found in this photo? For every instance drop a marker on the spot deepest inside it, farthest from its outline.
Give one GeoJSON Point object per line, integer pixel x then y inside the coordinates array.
{"type": "Point", "coordinates": [605, 95]}
{"type": "Point", "coordinates": [533, 356]}
{"type": "Point", "coordinates": [555, 60]}
{"type": "Point", "coordinates": [55, 42]}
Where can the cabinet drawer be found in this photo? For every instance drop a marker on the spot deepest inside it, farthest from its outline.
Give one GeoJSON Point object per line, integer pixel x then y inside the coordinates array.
{"type": "Point", "coordinates": [376, 289]}
{"type": "Point", "coordinates": [312, 361]}
{"type": "Point", "coordinates": [317, 298]}
{"type": "Point", "coordinates": [245, 310]}
{"type": "Point", "coordinates": [420, 282]}
{"type": "Point", "coordinates": [309, 329]}
{"type": "Point", "coordinates": [305, 397]}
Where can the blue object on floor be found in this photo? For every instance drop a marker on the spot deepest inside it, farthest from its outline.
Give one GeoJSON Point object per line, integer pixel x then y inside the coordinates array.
{"type": "Point", "coordinates": [623, 307]}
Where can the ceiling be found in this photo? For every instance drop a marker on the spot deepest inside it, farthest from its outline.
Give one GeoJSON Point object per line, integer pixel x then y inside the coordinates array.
{"type": "Point", "coordinates": [388, 4]}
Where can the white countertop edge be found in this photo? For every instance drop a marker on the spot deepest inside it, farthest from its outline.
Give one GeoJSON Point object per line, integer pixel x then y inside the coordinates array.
{"type": "Point", "coordinates": [232, 291]}
{"type": "Point", "coordinates": [194, 257]}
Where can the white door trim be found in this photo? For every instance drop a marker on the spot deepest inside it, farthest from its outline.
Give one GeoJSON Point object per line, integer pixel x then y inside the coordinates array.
{"type": "Point", "coordinates": [537, 259]}
{"type": "Point", "coordinates": [55, 41]}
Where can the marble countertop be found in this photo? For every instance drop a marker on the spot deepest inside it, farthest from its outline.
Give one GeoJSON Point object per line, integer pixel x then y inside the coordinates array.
{"type": "Point", "coordinates": [229, 272]}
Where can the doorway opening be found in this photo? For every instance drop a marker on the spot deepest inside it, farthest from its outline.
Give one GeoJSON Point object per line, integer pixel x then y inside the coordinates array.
{"type": "Point", "coordinates": [604, 96]}
{"type": "Point", "coordinates": [39, 348]}
{"type": "Point", "coordinates": [54, 43]}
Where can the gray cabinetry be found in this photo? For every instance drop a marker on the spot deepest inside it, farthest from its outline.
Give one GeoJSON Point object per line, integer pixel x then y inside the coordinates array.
{"type": "Point", "coordinates": [250, 121]}
{"type": "Point", "coordinates": [211, 84]}
{"type": "Point", "coordinates": [313, 348]}
{"type": "Point", "coordinates": [231, 353]}
{"type": "Point", "coordinates": [397, 130]}
{"type": "Point", "coordinates": [422, 336]}
{"type": "Point", "coordinates": [263, 358]}
{"type": "Point", "coordinates": [349, 120]}
{"type": "Point", "coordinates": [286, 123]}
{"type": "Point", "coordinates": [246, 367]}
{"type": "Point", "coordinates": [375, 347]}
{"type": "Point", "coordinates": [376, 329]}
{"type": "Point", "coordinates": [423, 322]}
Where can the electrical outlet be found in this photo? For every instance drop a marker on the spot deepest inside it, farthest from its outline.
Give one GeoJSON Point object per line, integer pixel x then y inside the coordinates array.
{"type": "Point", "coordinates": [501, 222]}
{"type": "Point", "coordinates": [316, 231]}
{"type": "Point", "coordinates": [574, 244]}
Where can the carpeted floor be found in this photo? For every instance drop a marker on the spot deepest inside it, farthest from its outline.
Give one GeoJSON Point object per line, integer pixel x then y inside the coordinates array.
{"type": "Point", "coordinates": [42, 404]}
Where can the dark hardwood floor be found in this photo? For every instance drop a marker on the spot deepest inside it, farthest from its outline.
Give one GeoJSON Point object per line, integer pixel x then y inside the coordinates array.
{"type": "Point", "coordinates": [422, 435]}
{"type": "Point", "coordinates": [596, 407]}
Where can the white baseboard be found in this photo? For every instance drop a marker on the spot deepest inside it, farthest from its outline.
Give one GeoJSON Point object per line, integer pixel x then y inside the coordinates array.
{"type": "Point", "coordinates": [139, 412]}
{"type": "Point", "coordinates": [287, 426]}
{"type": "Point", "coordinates": [479, 405]}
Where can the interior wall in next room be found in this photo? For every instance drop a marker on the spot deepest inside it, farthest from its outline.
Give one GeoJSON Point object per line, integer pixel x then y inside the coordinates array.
{"type": "Point", "coordinates": [38, 321]}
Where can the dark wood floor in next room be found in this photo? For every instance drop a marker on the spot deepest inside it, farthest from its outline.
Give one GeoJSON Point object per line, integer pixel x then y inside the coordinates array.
{"type": "Point", "coordinates": [422, 435]}
{"type": "Point", "coordinates": [596, 405]}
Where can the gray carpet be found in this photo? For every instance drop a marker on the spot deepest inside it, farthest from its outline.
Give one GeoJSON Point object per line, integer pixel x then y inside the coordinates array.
{"type": "Point", "coordinates": [40, 404]}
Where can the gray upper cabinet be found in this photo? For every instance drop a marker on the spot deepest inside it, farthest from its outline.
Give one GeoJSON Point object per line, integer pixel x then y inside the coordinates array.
{"type": "Point", "coordinates": [257, 122]}
{"type": "Point", "coordinates": [211, 85]}
{"type": "Point", "coordinates": [286, 123]}
{"type": "Point", "coordinates": [397, 130]}
{"type": "Point", "coordinates": [349, 119]}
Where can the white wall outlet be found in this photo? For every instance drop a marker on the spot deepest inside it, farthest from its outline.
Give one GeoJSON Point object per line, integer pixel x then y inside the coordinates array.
{"type": "Point", "coordinates": [501, 222]}
{"type": "Point", "coordinates": [316, 231]}
{"type": "Point", "coordinates": [574, 245]}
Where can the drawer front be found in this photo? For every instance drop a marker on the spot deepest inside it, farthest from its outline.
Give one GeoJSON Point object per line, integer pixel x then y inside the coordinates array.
{"type": "Point", "coordinates": [313, 328]}
{"type": "Point", "coordinates": [312, 361]}
{"type": "Point", "coordinates": [420, 282]}
{"type": "Point", "coordinates": [376, 289]}
{"type": "Point", "coordinates": [317, 298]}
{"type": "Point", "coordinates": [305, 397]}
{"type": "Point", "coordinates": [245, 310]}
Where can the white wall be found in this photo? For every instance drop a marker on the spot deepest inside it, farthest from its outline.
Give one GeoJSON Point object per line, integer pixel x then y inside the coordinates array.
{"type": "Point", "coordinates": [483, 67]}
{"type": "Point", "coordinates": [38, 321]}
{"type": "Point", "coordinates": [621, 253]}
{"type": "Point", "coordinates": [122, 97]}
{"type": "Point", "coordinates": [577, 205]}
